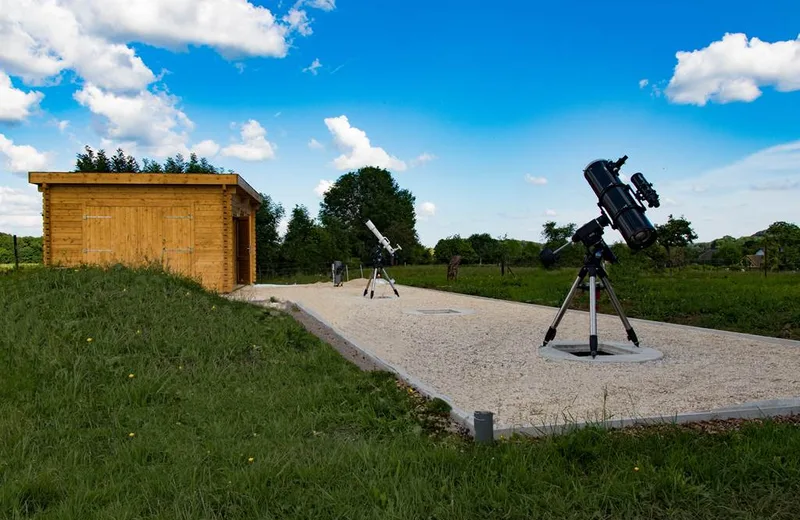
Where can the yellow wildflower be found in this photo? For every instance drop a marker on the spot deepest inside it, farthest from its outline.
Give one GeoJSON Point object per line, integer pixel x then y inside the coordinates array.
{"type": "Point", "coordinates": [88, 340]}
{"type": "Point", "coordinates": [131, 434]}
{"type": "Point", "coordinates": [131, 376]}
{"type": "Point", "coordinates": [250, 460]}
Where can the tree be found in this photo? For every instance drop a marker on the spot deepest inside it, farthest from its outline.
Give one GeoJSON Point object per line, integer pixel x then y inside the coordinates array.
{"type": "Point", "coordinates": [267, 240]}
{"type": "Point", "coordinates": [675, 233]}
{"type": "Point", "coordinates": [122, 163]}
{"type": "Point", "coordinates": [782, 244]}
{"type": "Point", "coordinates": [301, 245]}
{"type": "Point", "coordinates": [89, 161]}
{"type": "Point", "coordinates": [448, 247]}
{"type": "Point", "coordinates": [485, 247]}
{"type": "Point", "coordinates": [370, 194]}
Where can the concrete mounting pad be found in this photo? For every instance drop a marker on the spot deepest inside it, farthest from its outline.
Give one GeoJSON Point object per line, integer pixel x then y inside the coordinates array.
{"type": "Point", "coordinates": [608, 352]}
{"type": "Point", "coordinates": [488, 360]}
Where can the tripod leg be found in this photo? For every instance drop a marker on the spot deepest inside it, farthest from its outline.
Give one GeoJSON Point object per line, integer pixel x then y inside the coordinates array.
{"type": "Point", "coordinates": [551, 332]}
{"type": "Point", "coordinates": [374, 282]}
{"type": "Point", "coordinates": [592, 314]}
{"type": "Point", "coordinates": [618, 307]}
{"type": "Point", "coordinates": [390, 282]}
{"type": "Point", "coordinates": [369, 282]}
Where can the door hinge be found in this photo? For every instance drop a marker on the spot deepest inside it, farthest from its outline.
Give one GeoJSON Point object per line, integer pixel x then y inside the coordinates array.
{"type": "Point", "coordinates": [98, 251]}
{"type": "Point", "coordinates": [189, 216]}
{"type": "Point", "coordinates": [180, 250]}
{"type": "Point", "coordinates": [96, 216]}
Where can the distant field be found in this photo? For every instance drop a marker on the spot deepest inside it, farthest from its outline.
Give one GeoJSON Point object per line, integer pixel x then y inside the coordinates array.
{"type": "Point", "coordinates": [129, 394]}
{"type": "Point", "coordinates": [726, 300]}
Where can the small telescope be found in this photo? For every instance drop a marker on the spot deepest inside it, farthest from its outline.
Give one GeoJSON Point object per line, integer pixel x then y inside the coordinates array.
{"type": "Point", "coordinates": [382, 239]}
{"type": "Point", "coordinates": [377, 261]}
{"type": "Point", "coordinates": [622, 209]}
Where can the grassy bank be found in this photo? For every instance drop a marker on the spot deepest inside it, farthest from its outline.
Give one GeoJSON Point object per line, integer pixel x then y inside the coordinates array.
{"type": "Point", "coordinates": [726, 300]}
{"type": "Point", "coordinates": [130, 394]}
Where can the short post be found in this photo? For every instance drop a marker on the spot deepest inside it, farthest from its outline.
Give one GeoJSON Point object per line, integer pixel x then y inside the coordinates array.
{"type": "Point", "coordinates": [484, 427]}
{"type": "Point", "coordinates": [347, 272]}
{"type": "Point", "coordinates": [16, 254]}
{"type": "Point", "coordinates": [361, 266]}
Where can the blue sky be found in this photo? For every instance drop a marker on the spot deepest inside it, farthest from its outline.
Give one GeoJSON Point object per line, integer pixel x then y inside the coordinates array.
{"type": "Point", "coordinates": [487, 112]}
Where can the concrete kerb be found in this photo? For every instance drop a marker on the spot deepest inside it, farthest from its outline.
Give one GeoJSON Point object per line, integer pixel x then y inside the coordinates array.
{"type": "Point", "coordinates": [752, 410]}
{"type": "Point", "coordinates": [456, 414]}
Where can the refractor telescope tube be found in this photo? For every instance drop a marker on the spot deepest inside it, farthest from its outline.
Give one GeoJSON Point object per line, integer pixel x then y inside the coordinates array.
{"type": "Point", "coordinates": [382, 239]}
{"type": "Point", "coordinates": [617, 200]}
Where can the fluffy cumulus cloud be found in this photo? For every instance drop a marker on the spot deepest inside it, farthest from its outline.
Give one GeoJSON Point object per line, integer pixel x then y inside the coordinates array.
{"type": "Point", "coordinates": [42, 38]}
{"type": "Point", "coordinates": [15, 104]}
{"type": "Point", "coordinates": [323, 187]}
{"type": "Point", "coordinates": [426, 210]}
{"type": "Point", "coordinates": [150, 120]}
{"type": "Point", "coordinates": [358, 151]}
{"type": "Point", "coordinates": [538, 181]}
{"type": "Point", "coordinates": [21, 211]}
{"type": "Point", "coordinates": [253, 146]}
{"type": "Point", "coordinates": [550, 213]}
{"type": "Point", "coordinates": [315, 145]}
{"type": "Point", "coordinates": [206, 148]}
{"type": "Point", "coordinates": [734, 68]}
{"type": "Point", "coordinates": [21, 159]}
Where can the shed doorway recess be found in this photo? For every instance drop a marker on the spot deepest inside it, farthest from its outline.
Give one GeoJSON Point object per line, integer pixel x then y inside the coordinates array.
{"type": "Point", "coordinates": [242, 248]}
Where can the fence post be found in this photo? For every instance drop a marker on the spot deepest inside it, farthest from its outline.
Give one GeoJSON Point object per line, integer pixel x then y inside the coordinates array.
{"type": "Point", "coordinates": [16, 254]}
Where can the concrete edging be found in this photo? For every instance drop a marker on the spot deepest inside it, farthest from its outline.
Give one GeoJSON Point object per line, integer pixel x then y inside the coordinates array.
{"type": "Point", "coordinates": [458, 415]}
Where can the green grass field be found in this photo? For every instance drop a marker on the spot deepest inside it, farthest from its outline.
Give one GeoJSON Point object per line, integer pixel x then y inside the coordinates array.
{"type": "Point", "coordinates": [726, 300]}
{"type": "Point", "coordinates": [130, 394]}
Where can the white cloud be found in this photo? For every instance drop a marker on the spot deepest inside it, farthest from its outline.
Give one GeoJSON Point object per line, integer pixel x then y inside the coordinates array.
{"type": "Point", "coordinates": [322, 187]}
{"type": "Point", "coordinates": [538, 181]}
{"type": "Point", "coordinates": [550, 213]}
{"type": "Point", "coordinates": [313, 67]}
{"type": "Point", "coordinates": [298, 21]}
{"type": "Point", "coordinates": [42, 38]}
{"type": "Point", "coordinates": [254, 145]}
{"type": "Point", "coordinates": [22, 159]}
{"type": "Point", "coordinates": [734, 69]}
{"type": "Point", "coordinates": [643, 83]}
{"type": "Point", "coordinates": [62, 125]}
{"type": "Point", "coordinates": [206, 148]}
{"type": "Point", "coordinates": [426, 210]}
{"type": "Point", "coordinates": [325, 5]}
{"type": "Point", "coordinates": [15, 104]}
{"type": "Point", "coordinates": [358, 150]}
{"type": "Point", "coordinates": [315, 145]}
{"type": "Point", "coordinates": [20, 211]}
{"type": "Point", "coordinates": [150, 120]}
{"type": "Point", "coordinates": [422, 159]}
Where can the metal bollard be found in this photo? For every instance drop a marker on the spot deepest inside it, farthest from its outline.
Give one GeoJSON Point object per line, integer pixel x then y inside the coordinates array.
{"type": "Point", "coordinates": [484, 427]}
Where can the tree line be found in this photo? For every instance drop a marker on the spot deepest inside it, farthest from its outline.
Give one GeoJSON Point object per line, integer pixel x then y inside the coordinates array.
{"type": "Point", "coordinates": [338, 231]}
{"type": "Point", "coordinates": [29, 249]}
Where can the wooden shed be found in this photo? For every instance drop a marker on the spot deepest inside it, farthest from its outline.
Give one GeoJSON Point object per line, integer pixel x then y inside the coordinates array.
{"type": "Point", "coordinates": [198, 225]}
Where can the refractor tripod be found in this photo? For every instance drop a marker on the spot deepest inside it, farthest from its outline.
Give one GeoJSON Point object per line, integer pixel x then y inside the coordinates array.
{"type": "Point", "coordinates": [593, 267]}
{"type": "Point", "coordinates": [377, 266]}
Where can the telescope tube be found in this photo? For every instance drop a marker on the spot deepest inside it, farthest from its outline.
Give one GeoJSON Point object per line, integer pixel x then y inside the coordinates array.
{"type": "Point", "coordinates": [616, 199]}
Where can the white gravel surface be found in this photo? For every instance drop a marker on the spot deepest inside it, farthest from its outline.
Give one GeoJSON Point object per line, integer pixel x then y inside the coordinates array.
{"type": "Point", "coordinates": [488, 359]}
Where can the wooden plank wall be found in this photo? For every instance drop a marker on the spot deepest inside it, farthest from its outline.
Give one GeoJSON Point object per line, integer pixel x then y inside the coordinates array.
{"type": "Point", "coordinates": [137, 209]}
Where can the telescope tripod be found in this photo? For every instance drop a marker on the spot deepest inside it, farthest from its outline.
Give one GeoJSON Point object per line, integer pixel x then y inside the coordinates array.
{"type": "Point", "coordinates": [372, 280]}
{"type": "Point", "coordinates": [593, 267]}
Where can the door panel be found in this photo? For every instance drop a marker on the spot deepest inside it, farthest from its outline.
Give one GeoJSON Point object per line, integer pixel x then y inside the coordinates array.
{"type": "Point", "coordinates": [98, 235]}
{"type": "Point", "coordinates": [177, 240]}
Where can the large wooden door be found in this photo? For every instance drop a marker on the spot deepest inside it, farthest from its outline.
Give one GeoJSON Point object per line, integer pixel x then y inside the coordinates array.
{"type": "Point", "coordinates": [139, 235]}
{"type": "Point", "coordinates": [242, 250]}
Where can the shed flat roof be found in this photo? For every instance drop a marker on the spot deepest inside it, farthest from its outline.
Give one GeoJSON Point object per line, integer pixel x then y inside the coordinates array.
{"type": "Point", "coordinates": [166, 179]}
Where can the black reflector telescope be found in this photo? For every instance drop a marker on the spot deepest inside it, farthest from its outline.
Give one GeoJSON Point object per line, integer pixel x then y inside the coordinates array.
{"type": "Point", "coordinates": [620, 204]}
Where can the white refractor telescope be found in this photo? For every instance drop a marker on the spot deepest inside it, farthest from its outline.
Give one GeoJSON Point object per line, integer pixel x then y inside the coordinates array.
{"type": "Point", "coordinates": [382, 239]}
